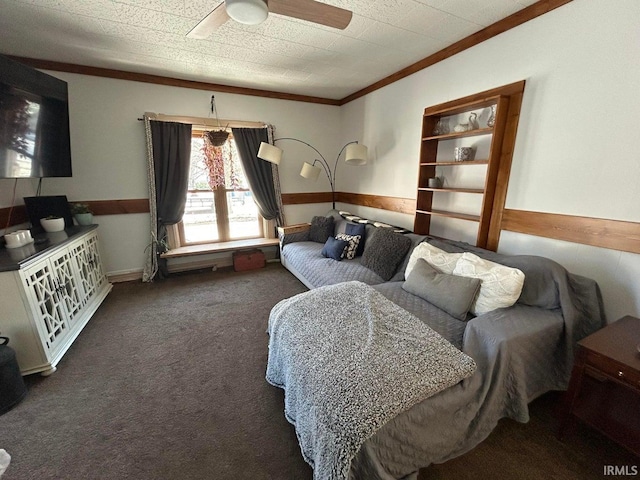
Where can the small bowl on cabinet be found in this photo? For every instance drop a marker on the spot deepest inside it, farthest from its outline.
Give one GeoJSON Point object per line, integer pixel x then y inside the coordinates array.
{"type": "Point", "coordinates": [52, 224]}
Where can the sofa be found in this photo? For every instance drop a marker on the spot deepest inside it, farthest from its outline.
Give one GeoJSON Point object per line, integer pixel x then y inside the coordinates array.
{"type": "Point", "coordinates": [523, 347]}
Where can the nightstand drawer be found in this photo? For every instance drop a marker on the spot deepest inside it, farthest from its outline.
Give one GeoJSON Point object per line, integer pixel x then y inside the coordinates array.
{"type": "Point", "coordinates": [614, 369]}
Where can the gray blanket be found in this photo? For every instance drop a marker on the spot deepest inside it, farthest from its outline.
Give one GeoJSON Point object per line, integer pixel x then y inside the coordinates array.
{"type": "Point", "coordinates": [522, 352]}
{"type": "Point", "coordinates": [350, 360]}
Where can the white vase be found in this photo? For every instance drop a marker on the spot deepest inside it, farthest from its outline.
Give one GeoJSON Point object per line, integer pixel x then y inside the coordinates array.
{"type": "Point", "coordinates": [52, 224]}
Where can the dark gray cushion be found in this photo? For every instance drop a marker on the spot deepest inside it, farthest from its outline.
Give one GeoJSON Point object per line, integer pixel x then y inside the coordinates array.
{"type": "Point", "coordinates": [450, 293]}
{"type": "Point", "coordinates": [321, 228]}
{"type": "Point", "coordinates": [384, 251]}
{"type": "Point", "coordinates": [334, 248]}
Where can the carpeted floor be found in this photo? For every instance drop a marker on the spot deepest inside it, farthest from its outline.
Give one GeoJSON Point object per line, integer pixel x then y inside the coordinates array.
{"type": "Point", "coordinates": [167, 382]}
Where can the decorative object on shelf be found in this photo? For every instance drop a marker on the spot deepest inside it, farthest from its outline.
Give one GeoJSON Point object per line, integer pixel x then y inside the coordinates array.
{"type": "Point", "coordinates": [18, 239]}
{"type": "Point", "coordinates": [471, 125]}
{"type": "Point", "coordinates": [82, 213]}
{"type": "Point", "coordinates": [463, 154]}
{"type": "Point", "coordinates": [491, 121]}
{"type": "Point", "coordinates": [52, 224]}
{"type": "Point", "coordinates": [47, 206]}
{"type": "Point", "coordinates": [442, 127]}
{"type": "Point", "coordinates": [217, 137]}
{"type": "Point", "coordinates": [434, 182]}
{"type": "Point", "coordinates": [473, 121]}
{"type": "Point", "coordinates": [356, 154]}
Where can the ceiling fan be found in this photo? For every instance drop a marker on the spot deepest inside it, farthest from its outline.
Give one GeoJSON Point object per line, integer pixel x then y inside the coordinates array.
{"type": "Point", "coordinates": [253, 12]}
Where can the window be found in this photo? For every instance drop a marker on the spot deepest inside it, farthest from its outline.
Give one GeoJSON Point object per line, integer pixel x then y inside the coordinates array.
{"type": "Point", "coordinates": [226, 212]}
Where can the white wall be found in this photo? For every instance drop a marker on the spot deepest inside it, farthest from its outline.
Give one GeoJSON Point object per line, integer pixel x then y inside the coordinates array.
{"type": "Point", "coordinates": [574, 154]}
{"type": "Point", "coordinates": [575, 151]}
{"type": "Point", "coordinates": [108, 151]}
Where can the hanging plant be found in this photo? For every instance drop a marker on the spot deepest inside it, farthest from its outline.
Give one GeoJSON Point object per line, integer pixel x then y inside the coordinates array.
{"type": "Point", "coordinates": [217, 137]}
{"type": "Point", "coordinates": [214, 161]}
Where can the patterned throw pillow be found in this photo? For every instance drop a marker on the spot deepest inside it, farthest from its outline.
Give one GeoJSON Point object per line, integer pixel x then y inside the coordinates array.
{"type": "Point", "coordinates": [501, 285]}
{"type": "Point", "coordinates": [357, 229]}
{"type": "Point", "coordinates": [439, 259]}
{"type": "Point", "coordinates": [351, 249]}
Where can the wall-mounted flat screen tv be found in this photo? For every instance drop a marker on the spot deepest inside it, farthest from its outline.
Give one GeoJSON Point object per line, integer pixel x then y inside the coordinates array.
{"type": "Point", "coordinates": [34, 123]}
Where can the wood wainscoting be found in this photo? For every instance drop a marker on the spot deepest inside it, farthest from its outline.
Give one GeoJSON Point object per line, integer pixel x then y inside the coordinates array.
{"type": "Point", "coordinates": [597, 232]}
{"type": "Point", "coordinates": [98, 207]}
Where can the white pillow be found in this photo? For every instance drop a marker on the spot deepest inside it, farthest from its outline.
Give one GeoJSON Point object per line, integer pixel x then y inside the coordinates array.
{"type": "Point", "coordinates": [439, 259]}
{"type": "Point", "coordinates": [501, 285]}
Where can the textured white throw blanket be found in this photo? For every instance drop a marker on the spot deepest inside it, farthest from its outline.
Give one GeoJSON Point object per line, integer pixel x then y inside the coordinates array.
{"type": "Point", "coordinates": [349, 361]}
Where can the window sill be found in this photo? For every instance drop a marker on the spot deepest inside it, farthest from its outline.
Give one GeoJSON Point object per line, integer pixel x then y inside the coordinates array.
{"type": "Point", "coordinates": [220, 247]}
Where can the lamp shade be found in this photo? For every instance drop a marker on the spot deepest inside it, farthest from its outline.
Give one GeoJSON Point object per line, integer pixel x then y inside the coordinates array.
{"type": "Point", "coordinates": [356, 154]}
{"type": "Point", "coordinates": [270, 153]}
{"type": "Point", "coordinates": [249, 12]}
{"type": "Point", "coordinates": [310, 171]}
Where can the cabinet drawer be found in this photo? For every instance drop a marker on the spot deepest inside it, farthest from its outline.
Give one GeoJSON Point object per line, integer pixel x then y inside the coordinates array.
{"type": "Point", "coordinates": [614, 369]}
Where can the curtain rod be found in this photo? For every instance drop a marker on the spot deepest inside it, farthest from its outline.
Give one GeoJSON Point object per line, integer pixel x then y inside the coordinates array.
{"type": "Point", "coordinates": [202, 122]}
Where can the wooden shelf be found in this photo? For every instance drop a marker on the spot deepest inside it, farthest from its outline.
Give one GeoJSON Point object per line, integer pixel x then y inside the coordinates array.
{"type": "Point", "coordinates": [455, 106]}
{"type": "Point", "coordinates": [458, 215]}
{"type": "Point", "coordinates": [452, 190]}
{"type": "Point", "coordinates": [505, 104]}
{"type": "Point", "coordinates": [468, 133]}
{"type": "Point", "coordinates": [445, 164]}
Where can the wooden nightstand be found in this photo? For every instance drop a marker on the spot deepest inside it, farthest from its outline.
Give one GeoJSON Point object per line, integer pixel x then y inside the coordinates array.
{"type": "Point", "coordinates": [604, 391]}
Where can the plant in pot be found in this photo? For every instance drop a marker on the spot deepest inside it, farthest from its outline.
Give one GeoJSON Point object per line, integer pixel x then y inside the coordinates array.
{"type": "Point", "coordinates": [52, 223]}
{"type": "Point", "coordinates": [82, 213]}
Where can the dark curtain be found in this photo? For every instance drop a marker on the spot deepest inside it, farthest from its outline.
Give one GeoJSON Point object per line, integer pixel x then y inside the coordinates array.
{"type": "Point", "coordinates": [171, 155]}
{"type": "Point", "coordinates": [258, 172]}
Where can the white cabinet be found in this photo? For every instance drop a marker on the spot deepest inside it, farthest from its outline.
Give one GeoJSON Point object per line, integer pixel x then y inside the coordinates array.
{"type": "Point", "coordinates": [50, 299]}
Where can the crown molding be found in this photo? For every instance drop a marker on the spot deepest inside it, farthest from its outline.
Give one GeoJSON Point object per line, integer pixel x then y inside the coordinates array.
{"type": "Point", "coordinates": [528, 13]}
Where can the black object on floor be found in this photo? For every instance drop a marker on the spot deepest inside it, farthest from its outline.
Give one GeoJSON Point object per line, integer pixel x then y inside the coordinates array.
{"type": "Point", "coordinates": [12, 387]}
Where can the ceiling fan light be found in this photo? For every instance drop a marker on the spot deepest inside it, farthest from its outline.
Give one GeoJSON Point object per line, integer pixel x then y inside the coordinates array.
{"type": "Point", "coordinates": [249, 12]}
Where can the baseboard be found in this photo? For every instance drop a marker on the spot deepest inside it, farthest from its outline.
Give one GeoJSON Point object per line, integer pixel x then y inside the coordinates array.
{"type": "Point", "coordinates": [199, 265]}
{"type": "Point", "coordinates": [125, 276]}
{"type": "Point", "coordinates": [118, 277]}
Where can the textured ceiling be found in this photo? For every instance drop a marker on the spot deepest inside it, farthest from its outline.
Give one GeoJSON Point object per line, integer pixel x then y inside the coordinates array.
{"type": "Point", "coordinates": [282, 54]}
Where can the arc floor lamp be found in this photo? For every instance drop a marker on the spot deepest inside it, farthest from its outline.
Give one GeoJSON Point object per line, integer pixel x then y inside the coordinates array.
{"type": "Point", "coordinates": [356, 154]}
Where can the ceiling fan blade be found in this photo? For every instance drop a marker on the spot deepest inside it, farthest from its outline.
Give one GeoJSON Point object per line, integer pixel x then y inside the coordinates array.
{"type": "Point", "coordinates": [209, 23]}
{"type": "Point", "coordinates": [312, 11]}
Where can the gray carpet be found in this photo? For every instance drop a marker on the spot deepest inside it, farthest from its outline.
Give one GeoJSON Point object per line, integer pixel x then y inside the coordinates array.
{"type": "Point", "coordinates": [167, 382]}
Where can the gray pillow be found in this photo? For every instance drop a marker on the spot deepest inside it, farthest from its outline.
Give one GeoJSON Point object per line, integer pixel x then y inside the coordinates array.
{"type": "Point", "coordinates": [321, 228]}
{"type": "Point", "coordinates": [384, 251]}
{"type": "Point", "coordinates": [450, 293]}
